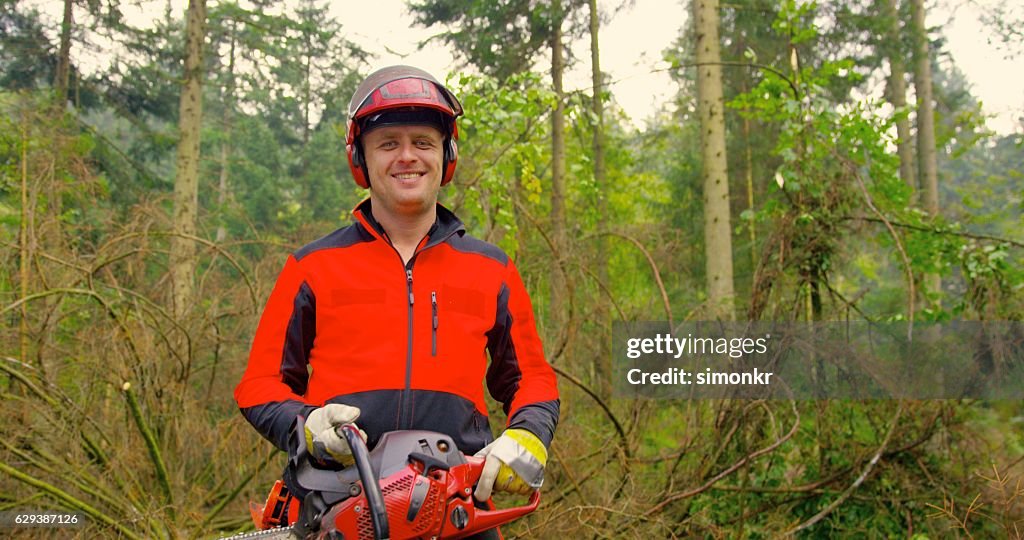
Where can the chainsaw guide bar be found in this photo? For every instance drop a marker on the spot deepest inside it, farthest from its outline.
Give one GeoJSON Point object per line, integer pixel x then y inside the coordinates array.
{"type": "Point", "coordinates": [279, 533]}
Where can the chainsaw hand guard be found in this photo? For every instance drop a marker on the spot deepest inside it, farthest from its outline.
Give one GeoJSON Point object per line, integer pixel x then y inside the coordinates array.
{"type": "Point", "coordinates": [378, 512]}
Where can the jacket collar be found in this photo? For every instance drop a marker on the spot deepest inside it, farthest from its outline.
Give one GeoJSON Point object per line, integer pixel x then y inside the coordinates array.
{"type": "Point", "coordinates": [445, 225]}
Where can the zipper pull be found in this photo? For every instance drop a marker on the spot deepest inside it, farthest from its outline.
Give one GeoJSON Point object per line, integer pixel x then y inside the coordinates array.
{"type": "Point", "coordinates": [433, 306]}
{"type": "Point", "coordinates": [433, 333]}
{"type": "Point", "coordinates": [408, 277]}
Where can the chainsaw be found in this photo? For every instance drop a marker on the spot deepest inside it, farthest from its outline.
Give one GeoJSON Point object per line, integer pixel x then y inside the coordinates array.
{"type": "Point", "coordinates": [414, 484]}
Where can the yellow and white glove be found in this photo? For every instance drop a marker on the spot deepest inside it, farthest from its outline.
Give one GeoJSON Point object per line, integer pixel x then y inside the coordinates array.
{"type": "Point", "coordinates": [322, 439]}
{"type": "Point", "coordinates": [515, 464]}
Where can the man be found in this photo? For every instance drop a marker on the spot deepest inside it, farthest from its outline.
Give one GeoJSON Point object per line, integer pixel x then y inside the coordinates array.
{"type": "Point", "coordinates": [388, 323]}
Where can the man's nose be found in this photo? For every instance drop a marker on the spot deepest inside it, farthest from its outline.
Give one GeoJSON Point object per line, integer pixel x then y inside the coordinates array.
{"type": "Point", "coordinates": [407, 152]}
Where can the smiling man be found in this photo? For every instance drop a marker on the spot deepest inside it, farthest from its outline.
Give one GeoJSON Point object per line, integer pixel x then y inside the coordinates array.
{"type": "Point", "coordinates": [398, 321]}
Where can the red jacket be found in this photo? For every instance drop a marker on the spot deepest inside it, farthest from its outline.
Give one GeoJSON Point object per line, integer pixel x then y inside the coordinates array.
{"type": "Point", "coordinates": [347, 322]}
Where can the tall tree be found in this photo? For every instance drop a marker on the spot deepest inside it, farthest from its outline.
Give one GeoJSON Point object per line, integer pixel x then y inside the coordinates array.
{"type": "Point", "coordinates": [926, 157]}
{"type": "Point", "coordinates": [897, 90]}
{"type": "Point", "coordinates": [597, 107]}
{"type": "Point", "coordinates": [558, 283]}
{"type": "Point", "coordinates": [603, 367]}
{"type": "Point", "coordinates": [717, 229]}
{"type": "Point", "coordinates": [926, 154]}
{"type": "Point", "coordinates": [186, 181]}
{"type": "Point", "coordinates": [64, 57]}
{"type": "Point", "coordinates": [227, 120]}
{"type": "Point", "coordinates": [744, 37]}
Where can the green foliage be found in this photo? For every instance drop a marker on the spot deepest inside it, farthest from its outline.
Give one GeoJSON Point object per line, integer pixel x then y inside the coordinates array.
{"type": "Point", "coordinates": [837, 166]}
{"type": "Point", "coordinates": [27, 60]}
{"type": "Point", "coordinates": [499, 149]}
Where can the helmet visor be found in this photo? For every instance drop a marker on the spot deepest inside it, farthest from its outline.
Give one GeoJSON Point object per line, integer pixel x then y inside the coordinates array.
{"type": "Point", "coordinates": [392, 117]}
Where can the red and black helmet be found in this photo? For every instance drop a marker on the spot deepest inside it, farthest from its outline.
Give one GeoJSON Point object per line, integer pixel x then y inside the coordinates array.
{"type": "Point", "coordinates": [401, 95]}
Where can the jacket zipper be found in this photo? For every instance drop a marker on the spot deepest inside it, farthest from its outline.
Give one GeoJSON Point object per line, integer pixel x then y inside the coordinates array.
{"type": "Point", "coordinates": [406, 393]}
{"type": "Point", "coordinates": [433, 332]}
{"type": "Point", "coordinates": [404, 418]}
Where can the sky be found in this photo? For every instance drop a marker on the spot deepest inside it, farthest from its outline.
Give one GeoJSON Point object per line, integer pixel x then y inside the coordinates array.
{"type": "Point", "coordinates": [634, 37]}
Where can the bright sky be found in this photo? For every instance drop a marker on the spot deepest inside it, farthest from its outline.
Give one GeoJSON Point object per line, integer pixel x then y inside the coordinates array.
{"type": "Point", "coordinates": [997, 81]}
{"type": "Point", "coordinates": [633, 40]}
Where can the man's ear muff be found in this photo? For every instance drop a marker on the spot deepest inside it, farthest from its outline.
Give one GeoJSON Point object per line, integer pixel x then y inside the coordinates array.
{"type": "Point", "coordinates": [451, 158]}
{"type": "Point", "coordinates": [356, 164]}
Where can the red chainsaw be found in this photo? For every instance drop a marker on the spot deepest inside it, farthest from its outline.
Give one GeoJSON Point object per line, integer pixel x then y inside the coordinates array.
{"type": "Point", "coordinates": [414, 484]}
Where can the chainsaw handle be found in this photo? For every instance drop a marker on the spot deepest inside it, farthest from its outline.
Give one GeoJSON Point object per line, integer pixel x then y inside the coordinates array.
{"type": "Point", "coordinates": [489, 519]}
{"type": "Point", "coordinates": [484, 519]}
{"type": "Point", "coordinates": [371, 487]}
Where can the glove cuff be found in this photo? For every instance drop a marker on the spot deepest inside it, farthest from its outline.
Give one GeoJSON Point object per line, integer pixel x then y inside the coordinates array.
{"type": "Point", "coordinates": [525, 454]}
{"type": "Point", "coordinates": [530, 442]}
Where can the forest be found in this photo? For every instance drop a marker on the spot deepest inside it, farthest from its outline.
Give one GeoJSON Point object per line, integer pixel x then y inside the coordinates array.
{"type": "Point", "coordinates": [820, 161]}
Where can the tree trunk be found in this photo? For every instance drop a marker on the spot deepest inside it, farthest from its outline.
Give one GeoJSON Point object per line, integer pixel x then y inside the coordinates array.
{"type": "Point", "coordinates": [602, 367]}
{"type": "Point", "coordinates": [186, 182]}
{"type": "Point", "coordinates": [928, 170]}
{"type": "Point", "coordinates": [925, 110]}
{"type": "Point", "coordinates": [223, 185]}
{"type": "Point", "coordinates": [60, 83]}
{"type": "Point", "coordinates": [717, 228]}
{"type": "Point", "coordinates": [522, 224]}
{"type": "Point", "coordinates": [558, 283]}
{"type": "Point", "coordinates": [307, 71]}
{"type": "Point", "coordinates": [748, 166]}
{"type": "Point", "coordinates": [897, 90]}
{"type": "Point", "coordinates": [25, 248]}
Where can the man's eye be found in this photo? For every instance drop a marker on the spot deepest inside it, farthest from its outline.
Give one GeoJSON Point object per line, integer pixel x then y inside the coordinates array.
{"type": "Point", "coordinates": [388, 144]}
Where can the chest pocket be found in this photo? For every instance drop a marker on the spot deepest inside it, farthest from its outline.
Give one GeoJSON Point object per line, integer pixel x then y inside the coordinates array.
{"type": "Point", "coordinates": [464, 301]}
{"type": "Point", "coordinates": [355, 313]}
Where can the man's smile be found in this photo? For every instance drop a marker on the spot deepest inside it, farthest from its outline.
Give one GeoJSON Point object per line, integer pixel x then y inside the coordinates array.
{"type": "Point", "coordinates": [408, 175]}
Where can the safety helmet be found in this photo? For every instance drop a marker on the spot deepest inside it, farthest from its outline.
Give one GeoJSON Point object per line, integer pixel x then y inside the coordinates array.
{"type": "Point", "coordinates": [401, 95]}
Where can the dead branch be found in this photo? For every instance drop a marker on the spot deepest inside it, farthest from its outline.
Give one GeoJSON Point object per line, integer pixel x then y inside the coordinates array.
{"type": "Point", "coordinates": [895, 238]}
{"type": "Point", "coordinates": [654, 271]}
{"type": "Point", "coordinates": [600, 403]}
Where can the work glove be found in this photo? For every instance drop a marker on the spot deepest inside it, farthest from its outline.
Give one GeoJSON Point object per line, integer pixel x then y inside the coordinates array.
{"type": "Point", "coordinates": [325, 444]}
{"type": "Point", "coordinates": [515, 464]}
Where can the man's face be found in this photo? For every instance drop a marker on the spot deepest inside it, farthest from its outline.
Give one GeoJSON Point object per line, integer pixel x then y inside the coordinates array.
{"type": "Point", "coordinates": [404, 164]}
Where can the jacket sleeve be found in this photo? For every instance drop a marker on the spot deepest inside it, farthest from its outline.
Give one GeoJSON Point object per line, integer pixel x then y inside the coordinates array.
{"type": "Point", "coordinates": [519, 376]}
{"type": "Point", "coordinates": [270, 394]}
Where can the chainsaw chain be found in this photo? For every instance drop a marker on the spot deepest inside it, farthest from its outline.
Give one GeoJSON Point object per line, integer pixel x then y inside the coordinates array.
{"type": "Point", "coordinates": [277, 533]}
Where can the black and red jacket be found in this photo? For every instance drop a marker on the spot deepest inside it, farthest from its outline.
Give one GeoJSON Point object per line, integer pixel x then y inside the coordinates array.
{"type": "Point", "coordinates": [348, 322]}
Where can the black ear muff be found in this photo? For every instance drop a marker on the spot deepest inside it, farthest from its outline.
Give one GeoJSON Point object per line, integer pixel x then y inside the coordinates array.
{"type": "Point", "coordinates": [451, 158]}
{"type": "Point", "coordinates": [451, 150]}
{"type": "Point", "coordinates": [356, 164]}
{"type": "Point", "coordinates": [357, 155]}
